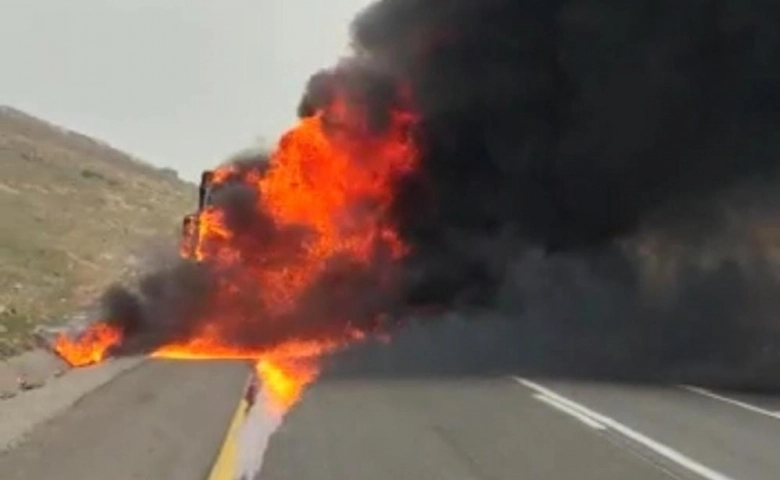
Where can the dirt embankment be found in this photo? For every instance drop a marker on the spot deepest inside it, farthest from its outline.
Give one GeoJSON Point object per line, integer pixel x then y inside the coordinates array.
{"type": "Point", "coordinates": [75, 215]}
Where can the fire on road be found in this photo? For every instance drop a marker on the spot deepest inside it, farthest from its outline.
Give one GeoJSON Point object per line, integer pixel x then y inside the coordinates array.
{"type": "Point", "coordinates": [316, 214]}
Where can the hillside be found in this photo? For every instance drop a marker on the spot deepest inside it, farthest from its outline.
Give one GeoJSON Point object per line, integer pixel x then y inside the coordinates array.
{"type": "Point", "coordinates": [73, 212]}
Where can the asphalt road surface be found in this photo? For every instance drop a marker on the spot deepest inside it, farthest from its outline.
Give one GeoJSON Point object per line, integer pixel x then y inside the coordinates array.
{"type": "Point", "coordinates": [167, 420]}
{"type": "Point", "coordinates": [163, 420]}
{"type": "Point", "coordinates": [513, 428]}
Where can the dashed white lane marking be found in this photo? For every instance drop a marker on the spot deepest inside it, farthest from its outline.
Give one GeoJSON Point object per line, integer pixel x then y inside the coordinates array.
{"type": "Point", "coordinates": [732, 401]}
{"type": "Point", "coordinates": [570, 411]}
{"type": "Point", "coordinates": [659, 448]}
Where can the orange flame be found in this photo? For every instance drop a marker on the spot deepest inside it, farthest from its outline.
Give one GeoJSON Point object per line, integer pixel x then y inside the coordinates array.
{"type": "Point", "coordinates": [90, 347]}
{"type": "Point", "coordinates": [331, 175]}
{"type": "Point", "coordinates": [284, 377]}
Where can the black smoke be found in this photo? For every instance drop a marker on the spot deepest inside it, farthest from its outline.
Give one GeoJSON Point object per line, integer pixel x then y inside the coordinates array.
{"type": "Point", "coordinates": [598, 184]}
{"type": "Point", "coordinates": [573, 122]}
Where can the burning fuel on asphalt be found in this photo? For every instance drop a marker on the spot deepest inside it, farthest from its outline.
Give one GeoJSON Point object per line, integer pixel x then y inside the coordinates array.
{"type": "Point", "coordinates": [579, 187]}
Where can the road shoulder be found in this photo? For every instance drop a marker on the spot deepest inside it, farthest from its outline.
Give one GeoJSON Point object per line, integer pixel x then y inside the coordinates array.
{"type": "Point", "coordinates": [52, 395]}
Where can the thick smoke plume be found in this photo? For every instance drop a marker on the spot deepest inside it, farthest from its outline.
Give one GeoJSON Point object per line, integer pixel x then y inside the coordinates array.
{"type": "Point", "coordinates": [596, 194]}
{"type": "Point", "coordinates": [568, 124]}
{"type": "Point", "coordinates": [600, 175]}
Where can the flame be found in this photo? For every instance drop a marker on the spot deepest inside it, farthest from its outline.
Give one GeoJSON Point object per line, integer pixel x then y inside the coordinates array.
{"type": "Point", "coordinates": [285, 370]}
{"type": "Point", "coordinates": [90, 347]}
{"type": "Point", "coordinates": [321, 174]}
{"type": "Point", "coordinates": [284, 377]}
{"type": "Point", "coordinates": [331, 176]}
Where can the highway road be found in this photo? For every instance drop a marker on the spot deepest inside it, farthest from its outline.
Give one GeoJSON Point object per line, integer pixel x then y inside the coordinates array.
{"type": "Point", "coordinates": [163, 420]}
{"type": "Point", "coordinates": [168, 419]}
{"type": "Point", "coordinates": [514, 428]}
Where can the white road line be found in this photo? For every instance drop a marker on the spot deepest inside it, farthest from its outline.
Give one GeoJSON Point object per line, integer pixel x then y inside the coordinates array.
{"type": "Point", "coordinates": [570, 411]}
{"type": "Point", "coordinates": [653, 445]}
{"type": "Point", "coordinates": [732, 401]}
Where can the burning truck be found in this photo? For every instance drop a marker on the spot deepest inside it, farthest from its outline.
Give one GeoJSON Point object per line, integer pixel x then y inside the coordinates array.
{"type": "Point", "coordinates": [190, 222]}
{"type": "Point", "coordinates": [289, 256]}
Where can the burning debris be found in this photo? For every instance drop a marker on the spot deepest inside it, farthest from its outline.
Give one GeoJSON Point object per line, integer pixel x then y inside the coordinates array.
{"type": "Point", "coordinates": [596, 177]}
{"type": "Point", "coordinates": [92, 345]}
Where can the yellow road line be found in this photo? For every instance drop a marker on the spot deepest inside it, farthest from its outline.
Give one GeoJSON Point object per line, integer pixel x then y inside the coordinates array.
{"type": "Point", "coordinates": [225, 466]}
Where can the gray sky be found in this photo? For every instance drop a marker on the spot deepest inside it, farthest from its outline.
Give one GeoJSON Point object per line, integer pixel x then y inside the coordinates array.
{"type": "Point", "coordinates": [180, 83]}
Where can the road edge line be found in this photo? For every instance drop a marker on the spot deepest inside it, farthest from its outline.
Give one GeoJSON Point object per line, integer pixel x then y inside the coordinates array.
{"type": "Point", "coordinates": [224, 467]}
{"type": "Point", "coordinates": [653, 445]}
{"type": "Point", "coordinates": [731, 401]}
{"type": "Point", "coordinates": [561, 407]}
